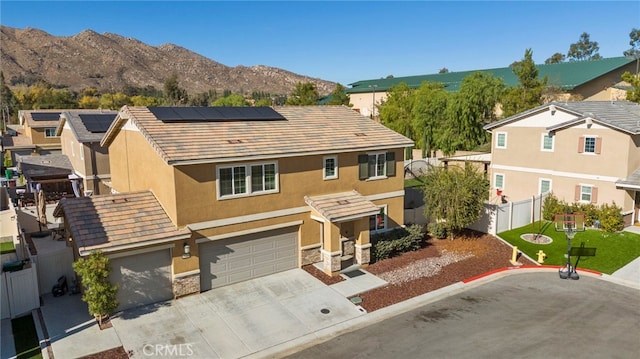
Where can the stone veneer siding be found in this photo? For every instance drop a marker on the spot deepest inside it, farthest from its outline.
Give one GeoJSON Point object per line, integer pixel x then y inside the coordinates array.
{"type": "Point", "coordinates": [310, 256]}
{"type": "Point", "coordinates": [189, 284]}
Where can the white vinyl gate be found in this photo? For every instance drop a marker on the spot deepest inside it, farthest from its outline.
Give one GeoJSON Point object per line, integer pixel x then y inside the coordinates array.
{"type": "Point", "coordinates": [142, 278]}
{"type": "Point", "coordinates": [245, 257]}
{"type": "Point", "coordinates": [19, 292]}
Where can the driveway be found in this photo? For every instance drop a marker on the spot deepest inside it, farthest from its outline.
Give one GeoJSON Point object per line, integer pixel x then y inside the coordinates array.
{"type": "Point", "coordinates": [236, 320]}
{"type": "Point", "coordinates": [522, 315]}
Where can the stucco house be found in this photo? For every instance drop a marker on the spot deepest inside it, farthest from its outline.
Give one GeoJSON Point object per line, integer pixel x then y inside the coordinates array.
{"type": "Point", "coordinates": [80, 132]}
{"type": "Point", "coordinates": [596, 80]}
{"type": "Point", "coordinates": [239, 193]}
{"type": "Point", "coordinates": [40, 127]}
{"type": "Point", "coordinates": [587, 151]}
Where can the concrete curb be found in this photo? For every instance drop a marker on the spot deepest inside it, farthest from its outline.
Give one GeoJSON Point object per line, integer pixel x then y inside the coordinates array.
{"type": "Point", "coordinates": [320, 336]}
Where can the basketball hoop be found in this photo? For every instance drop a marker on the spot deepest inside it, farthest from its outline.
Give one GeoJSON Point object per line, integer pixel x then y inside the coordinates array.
{"type": "Point", "coordinates": [570, 224]}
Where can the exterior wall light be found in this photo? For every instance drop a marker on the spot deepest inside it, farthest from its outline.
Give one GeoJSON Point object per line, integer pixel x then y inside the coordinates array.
{"type": "Point", "coordinates": [187, 251]}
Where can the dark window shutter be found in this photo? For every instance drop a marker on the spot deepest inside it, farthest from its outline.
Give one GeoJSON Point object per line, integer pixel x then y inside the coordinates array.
{"type": "Point", "coordinates": [391, 164]}
{"type": "Point", "coordinates": [363, 166]}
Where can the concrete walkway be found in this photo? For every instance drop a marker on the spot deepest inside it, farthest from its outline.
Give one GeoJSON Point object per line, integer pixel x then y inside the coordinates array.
{"type": "Point", "coordinates": [631, 271]}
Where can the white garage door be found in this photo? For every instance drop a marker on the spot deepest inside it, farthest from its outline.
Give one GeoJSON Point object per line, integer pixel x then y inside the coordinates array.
{"type": "Point", "coordinates": [143, 278]}
{"type": "Point", "coordinates": [241, 258]}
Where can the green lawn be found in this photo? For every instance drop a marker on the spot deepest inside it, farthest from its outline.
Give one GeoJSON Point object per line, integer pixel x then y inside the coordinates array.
{"type": "Point", "coordinates": [7, 247]}
{"type": "Point", "coordinates": [614, 250]}
{"type": "Point", "coordinates": [25, 338]}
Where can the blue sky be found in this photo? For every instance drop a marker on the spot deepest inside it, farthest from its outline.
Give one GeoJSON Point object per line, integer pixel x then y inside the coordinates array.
{"type": "Point", "coordinates": [346, 41]}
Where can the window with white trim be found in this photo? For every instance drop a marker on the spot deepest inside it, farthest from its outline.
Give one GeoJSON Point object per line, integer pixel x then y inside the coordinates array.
{"type": "Point", "coordinates": [501, 140]}
{"type": "Point", "coordinates": [545, 185]}
{"type": "Point", "coordinates": [547, 142]}
{"type": "Point", "coordinates": [590, 144]}
{"type": "Point", "coordinates": [330, 170]}
{"type": "Point", "coordinates": [377, 165]}
{"type": "Point", "coordinates": [498, 181]}
{"type": "Point", "coordinates": [50, 132]}
{"type": "Point", "coordinates": [586, 193]}
{"type": "Point", "coordinates": [378, 221]}
{"type": "Point", "coordinates": [249, 179]}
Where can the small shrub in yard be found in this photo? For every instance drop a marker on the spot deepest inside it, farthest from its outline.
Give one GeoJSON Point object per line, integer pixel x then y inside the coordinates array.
{"type": "Point", "coordinates": [611, 218]}
{"type": "Point", "coordinates": [397, 241]}
{"type": "Point", "coordinates": [552, 206]}
{"type": "Point", "coordinates": [437, 230]}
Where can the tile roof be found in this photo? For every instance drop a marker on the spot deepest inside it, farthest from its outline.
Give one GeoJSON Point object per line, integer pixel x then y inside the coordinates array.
{"type": "Point", "coordinates": [337, 207]}
{"type": "Point", "coordinates": [620, 115]}
{"type": "Point", "coordinates": [307, 130]}
{"type": "Point", "coordinates": [25, 116]}
{"type": "Point", "coordinates": [119, 220]}
{"type": "Point", "coordinates": [566, 75]}
{"type": "Point", "coordinates": [45, 166]}
{"type": "Point", "coordinates": [78, 127]}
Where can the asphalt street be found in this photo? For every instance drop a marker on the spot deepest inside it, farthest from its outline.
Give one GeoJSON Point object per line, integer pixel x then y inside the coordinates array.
{"type": "Point", "coordinates": [528, 315]}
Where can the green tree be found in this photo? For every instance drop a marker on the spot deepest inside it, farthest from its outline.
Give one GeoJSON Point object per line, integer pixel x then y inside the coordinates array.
{"type": "Point", "coordinates": [443, 70]}
{"type": "Point", "coordinates": [233, 100]}
{"type": "Point", "coordinates": [114, 101]}
{"type": "Point", "coordinates": [584, 49]}
{"type": "Point", "coordinates": [634, 51]}
{"type": "Point", "coordinates": [528, 94]}
{"type": "Point", "coordinates": [339, 96]}
{"type": "Point", "coordinates": [174, 95]}
{"type": "Point", "coordinates": [89, 102]}
{"type": "Point", "coordinates": [305, 94]}
{"type": "Point", "coordinates": [266, 101]}
{"type": "Point", "coordinates": [99, 293]}
{"type": "Point", "coordinates": [454, 196]}
{"type": "Point", "coordinates": [555, 58]}
{"type": "Point", "coordinates": [140, 100]}
{"type": "Point", "coordinates": [8, 102]}
{"type": "Point", "coordinates": [633, 94]}
{"type": "Point", "coordinates": [468, 110]}
{"type": "Point", "coordinates": [429, 115]}
{"type": "Point", "coordinates": [396, 110]}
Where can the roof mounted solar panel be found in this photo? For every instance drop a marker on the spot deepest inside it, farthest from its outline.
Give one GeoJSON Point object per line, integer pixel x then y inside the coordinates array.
{"type": "Point", "coordinates": [45, 116]}
{"type": "Point", "coordinates": [97, 123]}
{"type": "Point", "coordinates": [215, 114]}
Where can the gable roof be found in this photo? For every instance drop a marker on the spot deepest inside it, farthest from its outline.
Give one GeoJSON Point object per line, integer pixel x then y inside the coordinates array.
{"type": "Point", "coordinates": [118, 221]}
{"type": "Point", "coordinates": [565, 75]}
{"type": "Point", "coordinates": [39, 118]}
{"type": "Point", "coordinates": [340, 207]}
{"type": "Point", "coordinates": [45, 166]}
{"type": "Point", "coordinates": [306, 130]}
{"type": "Point", "coordinates": [78, 127]}
{"type": "Point", "coordinates": [620, 115]}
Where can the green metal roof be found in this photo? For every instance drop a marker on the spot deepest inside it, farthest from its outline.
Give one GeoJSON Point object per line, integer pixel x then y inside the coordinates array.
{"type": "Point", "coordinates": [566, 75]}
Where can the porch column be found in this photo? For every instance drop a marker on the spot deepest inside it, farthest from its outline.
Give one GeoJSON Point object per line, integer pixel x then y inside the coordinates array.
{"type": "Point", "coordinates": [331, 251]}
{"type": "Point", "coordinates": [363, 244]}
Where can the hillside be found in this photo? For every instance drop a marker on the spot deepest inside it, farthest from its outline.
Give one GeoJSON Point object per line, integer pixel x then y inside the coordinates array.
{"type": "Point", "coordinates": [108, 62]}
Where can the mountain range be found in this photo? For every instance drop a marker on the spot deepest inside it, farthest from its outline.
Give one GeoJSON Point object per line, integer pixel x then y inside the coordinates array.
{"type": "Point", "coordinates": [110, 62]}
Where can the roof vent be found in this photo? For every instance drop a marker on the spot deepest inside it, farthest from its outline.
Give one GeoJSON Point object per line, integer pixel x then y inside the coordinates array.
{"type": "Point", "coordinates": [235, 142]}
{"type": "Point", "coordinates": [119, 200]}
{"type": "Point", "coordinates": [360, 134]}
{"type": "Point", "coordinates": [343, 202]}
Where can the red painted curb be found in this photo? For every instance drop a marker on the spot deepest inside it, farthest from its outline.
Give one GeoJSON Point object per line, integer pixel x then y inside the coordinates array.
{"type": "Point", "coordinates": [471, 279]}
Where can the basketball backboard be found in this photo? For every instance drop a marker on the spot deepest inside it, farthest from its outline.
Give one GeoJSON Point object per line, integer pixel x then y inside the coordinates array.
{"type": "Point", "coordinates": [569, 221]}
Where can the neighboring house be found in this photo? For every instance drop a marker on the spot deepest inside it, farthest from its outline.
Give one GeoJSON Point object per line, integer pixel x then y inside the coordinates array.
{"type": "Point", "coordinates": [587, 152]}
{"type": "Point", "coordinates": [595, 80]}
{"type": "Point", "coordinates": [16, 143]}
{"type": "Point", "coordinates": [80, 132]}
{"type": "Point", "coordinates": [40, 127]}
{"type": "Point", "coordinates": [240, 192]}
{"type": "Point", "coordinates": [51, 172]}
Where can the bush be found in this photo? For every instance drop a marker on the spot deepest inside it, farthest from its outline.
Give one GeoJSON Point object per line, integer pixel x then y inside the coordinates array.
{"type": "Point", "coordinates": [437, 230]}
{"type": "Point", "coordinates": [552, 206]}
{"type": "Point", "coordinates": [611, 218]}
{"type": "Point", "coordinates": [397, 241]}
